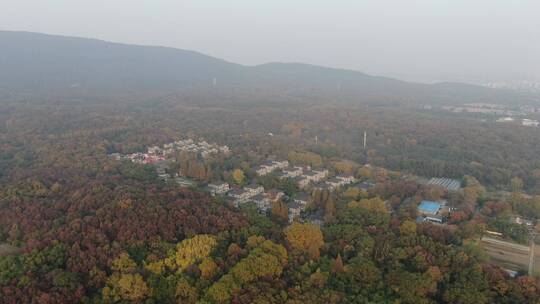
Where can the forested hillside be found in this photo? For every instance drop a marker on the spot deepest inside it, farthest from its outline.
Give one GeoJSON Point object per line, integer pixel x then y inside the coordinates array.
{"type": "Point", "coordinates": [47, 63]}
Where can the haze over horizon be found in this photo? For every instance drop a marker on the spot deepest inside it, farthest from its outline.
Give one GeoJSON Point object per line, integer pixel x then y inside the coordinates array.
{"type": "Point", "coordinates": [428, 41]}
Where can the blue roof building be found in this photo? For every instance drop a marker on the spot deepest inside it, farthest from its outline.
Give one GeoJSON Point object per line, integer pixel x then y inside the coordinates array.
{"type": "Point", "coordinates": [429, 207]}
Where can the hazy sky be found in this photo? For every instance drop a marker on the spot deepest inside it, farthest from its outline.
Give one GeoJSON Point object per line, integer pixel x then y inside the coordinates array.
{"type": "Point", "coordinates": [466, 40]}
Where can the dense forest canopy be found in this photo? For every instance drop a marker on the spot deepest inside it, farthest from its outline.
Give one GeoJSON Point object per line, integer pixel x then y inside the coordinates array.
{"type": "Point", "coordinates": [93, 229]}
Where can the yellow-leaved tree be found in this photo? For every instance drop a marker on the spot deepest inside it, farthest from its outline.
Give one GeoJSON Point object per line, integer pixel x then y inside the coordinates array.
{"type": "Point", "coordinates": [267, 259]}
{"type": "Point", "coordinates": [305, 238]}
{"type": "Point", "coordinates": [373, 204]}
{"type": "Point", "coordinates": [188, 252]}
{"type": "Point", "coordinates": [238, 176]}
{"type": "Point", "coordinates": [124, 284]}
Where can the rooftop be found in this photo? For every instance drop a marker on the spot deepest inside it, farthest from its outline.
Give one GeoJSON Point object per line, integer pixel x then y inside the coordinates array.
{"type": "Point", "coordinates": [294, 205]}
{"type": "Point", "coordinates": [429, 207]}
{"type": "Point", "coordinates": [334, 180]}
{"type": "Point", "coordinates": [258, 197]}
{"type": "Point", "coordinates": [448, 183]}
{"type": "Point", "coordinates": [237, 192]}
{"type": "Point", "coordinates": [302, 197]}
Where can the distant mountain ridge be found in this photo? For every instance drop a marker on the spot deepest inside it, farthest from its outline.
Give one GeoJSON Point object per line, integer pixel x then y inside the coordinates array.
{"type": "Point", "coordinates": [33, 61]}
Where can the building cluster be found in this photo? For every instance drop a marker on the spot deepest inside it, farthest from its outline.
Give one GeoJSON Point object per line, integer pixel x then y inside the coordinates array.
{"type": "Point", "coordinates": [339, 181]}
{"type": "Point", "coordinates": [506, 113]}
{"type": "Point", "coordinates": [310, 177]}
{"type": "Point", "coordinates": [529, 122]}
{"type": "Point", "coordinates": [156, 154]}
{"type": "Point", "coordinates": [524, 122]}
{"type": "Point", "coordinates": [251, 193]}
{"type": "Point", "coordinates": [515, 219]}
{"type": "Point", "coordinates": [304, 177]}
{"type": "Point", "coordinates": [270, 166]}
{"type": "Point", "coordinates": [505, 119]}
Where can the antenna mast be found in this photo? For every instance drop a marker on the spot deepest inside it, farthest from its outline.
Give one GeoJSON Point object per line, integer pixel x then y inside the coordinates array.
{"type": "Point", "coordinates": [365, 138]}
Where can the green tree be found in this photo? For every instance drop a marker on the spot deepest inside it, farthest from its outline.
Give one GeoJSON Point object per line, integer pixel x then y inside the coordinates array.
{"type": "Point", "coordinates": [516, 184]}
{"type": "Point", "coordinates": [407, 228]}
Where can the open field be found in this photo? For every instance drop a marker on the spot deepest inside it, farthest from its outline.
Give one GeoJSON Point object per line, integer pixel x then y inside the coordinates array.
{"type": "Point", "coordinates": [512, 256]}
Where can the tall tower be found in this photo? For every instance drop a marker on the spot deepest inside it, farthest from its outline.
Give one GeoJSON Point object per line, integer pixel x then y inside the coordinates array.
{"type": "Point", "coordinates": [365, 138]}
{"type": "Point", "coordinates": [365, 150]}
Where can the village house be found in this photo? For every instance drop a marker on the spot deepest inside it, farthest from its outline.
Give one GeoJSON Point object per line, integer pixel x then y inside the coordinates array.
{"type": "Point", "coordinates": [184, 182]}
{"type": "Point", "coordinates": [218, 188]}
{"type": "Point", "coordinates": [164, 176]}
{"type": "Point", "coordinates": [224, 149]}
{"type": "Point", "coordinates": [240, 196]}
{"type": "Point", "coordinates": [311, 176]}
{"type": "Point", "coordinates": [292, 172]}
{"type": "Point", "coordinates": [244, 195]}
{"type": "Point", "coordinates": [340, 180]}
{"type": "Point", "coordinates": [294, 210]}
{"type": "Point", "coordinates": [316, 218]}
{"type": "Point", "coordinates": [316, 176]}
{"type": "Point", "coordinates": [274, 194]}
{"type": "Point", "coordinates": [521, 221]}
{"type": "Point", "coordinates": [322, 186]}
{"type": "Point", "coordinates": [301, 182]}
{"type": "Point", "coordinates": [116, 156]}
{"type": "Point", "coordinates": [346, 179]}
{"type": "Point", "coordinates": [262, 203]}
{"type": "Point", "coordinates": [334, 183]}
{"type": "Point", "coordinates": [270, 166]}
{"type": "Point", "coordinates": [365, 186]}
{"type": "Point", "coordinates": [154, 150]}
{"type": "Point", "coordinates": [161, 172]}
{"type": "Point", "coordinates": [302, 199]}
{"type": "Point", "coordinates": [254, 189]}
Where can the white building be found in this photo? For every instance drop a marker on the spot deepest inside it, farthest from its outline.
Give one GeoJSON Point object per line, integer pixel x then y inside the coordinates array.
{"type": "Point", "coordinates": [295, 209]}
{"type": "Point", "coordinates": [274, 194]}
{"type": "Point", "coordinates": [505, 119]}
{"type": "Point", "coordinates": [316, 175]}
{"type": "Point", "coordinates": [244, 195]}
{"type": "Point", "coordinates": [529, 122]}
{"type": "Point", "coordinates": [262, 202]}
{"type": "Point", "coordinates": [302, 182]}
{"type": "Point", "coordinates": [347, 179]}
{"type": "Point", "coordinates": [293, 172]}
{"type": "Point", "coordinates": [270, 166]}
{"type": "Point", "coordinates": [334, 183]}
{"type": "Point", "coordinates": [218, 189]}
{"type": "Point", "coordinates": [339, 181]}
{"type": "Point", "coordinates": [302, 199]}
{"type": "Point", "coordinates": [240, 196]}
{"type": "Point", "coordinates": [154, 150]}
{"type": "Point", "coordinates": [254, 189]}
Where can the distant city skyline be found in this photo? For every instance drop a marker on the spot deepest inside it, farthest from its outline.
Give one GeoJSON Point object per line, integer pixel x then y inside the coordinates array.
{"type": "Point", "coordinates": [483, 41]}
